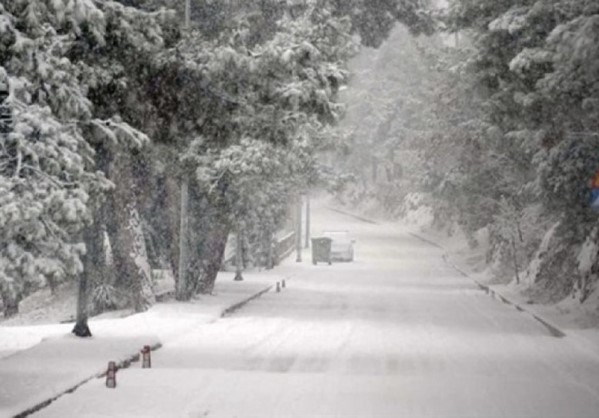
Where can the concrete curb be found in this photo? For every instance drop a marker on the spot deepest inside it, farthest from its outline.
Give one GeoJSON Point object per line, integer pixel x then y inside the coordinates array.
{"type": "Point", "coordinates": [553, 329]}
{"type": "Point", "coordinates": [126, 362]}
{"type": "Point", "coordinates": [233, 308]}
{"type": "Point", "coordinates": [358, 217]}
{"type": "Point", "coordinates": [434, 244]}
{"type": "Point", "coordinates": [122, 364]}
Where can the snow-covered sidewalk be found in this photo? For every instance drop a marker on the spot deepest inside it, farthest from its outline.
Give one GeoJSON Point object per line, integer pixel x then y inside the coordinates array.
{"type": "Point", "coordinates": [48, 360]}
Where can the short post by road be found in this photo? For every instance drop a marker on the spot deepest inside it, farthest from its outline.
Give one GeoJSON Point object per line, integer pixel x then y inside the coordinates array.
{"type": "Point", "coordinates": [146, 359]}
{"type": "Point", "coordinates": [283, 285]}
{"type": "Point", "coordinates": [278, 287]}
{"type": "Point", "coordinates": [111, 375]}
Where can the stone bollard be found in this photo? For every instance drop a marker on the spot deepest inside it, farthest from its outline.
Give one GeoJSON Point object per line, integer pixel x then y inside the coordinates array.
{"type": "Point", "coordinates": [111, 375]}
{"type": "Point", "coordinates": [278, 287]}
{"type": "Point", "coordinates": [146, 360]}
{"type": "Point", "coordinates": [283, 285]}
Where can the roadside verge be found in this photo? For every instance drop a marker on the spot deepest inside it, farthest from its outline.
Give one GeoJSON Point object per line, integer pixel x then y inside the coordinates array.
{"type": "Point", "coordinates": [61, 363]}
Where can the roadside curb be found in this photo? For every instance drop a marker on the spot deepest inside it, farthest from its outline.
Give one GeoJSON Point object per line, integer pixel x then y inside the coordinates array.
{"type": "Point", "coordinates": [122, 364]}
{"type": "Point", "coordinates": [131, 358]}
{"type": "Point", "coordinates": [228, 311]}
{"type": "Point", "coordinates": [361, 218]}
{"type": "Point", "coordinates": [553, 329]}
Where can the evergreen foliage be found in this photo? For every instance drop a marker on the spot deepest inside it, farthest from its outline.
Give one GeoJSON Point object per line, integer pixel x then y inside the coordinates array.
{"type": "Point", "coordinates": [112, 98]}
{"type": "Point", "coordinates": [500, 131]}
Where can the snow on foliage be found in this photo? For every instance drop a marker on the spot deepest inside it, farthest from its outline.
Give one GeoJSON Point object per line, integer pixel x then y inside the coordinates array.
{"type": "Point", "coordinates": [535, 264]}
{"type": "Point", "coordinates": [49, 182]}
{"type": "Point", "coordinates": [512, 21]}
{"type": "Point", "coordinates": [587, 256]}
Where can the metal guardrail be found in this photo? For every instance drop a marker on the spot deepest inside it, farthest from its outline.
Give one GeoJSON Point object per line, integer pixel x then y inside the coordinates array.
{"type": "Point", "coordinates": [283, 247]}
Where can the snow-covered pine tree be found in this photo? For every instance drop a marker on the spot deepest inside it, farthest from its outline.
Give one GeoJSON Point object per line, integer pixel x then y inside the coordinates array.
{"type": "Point", "coordinates": [47, 177]}
{"type": "Point", "coordinates": [54, 165]}
{"type": "Point", "coordinates": [538, 68]}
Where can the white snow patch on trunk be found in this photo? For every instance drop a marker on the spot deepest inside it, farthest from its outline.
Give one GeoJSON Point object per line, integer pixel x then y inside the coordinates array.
{"type": "Point", "coordinates": [535, 265]}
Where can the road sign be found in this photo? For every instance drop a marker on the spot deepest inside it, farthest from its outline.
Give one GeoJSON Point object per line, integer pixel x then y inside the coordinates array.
{"type": "Point", "coordinates": [595, 191]}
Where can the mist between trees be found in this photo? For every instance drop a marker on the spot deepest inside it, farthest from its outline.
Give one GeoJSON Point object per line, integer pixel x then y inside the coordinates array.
{"type": "Point", "coordinates": [490, 127]}
{"type": "Point", "coordinates": [116, 109]}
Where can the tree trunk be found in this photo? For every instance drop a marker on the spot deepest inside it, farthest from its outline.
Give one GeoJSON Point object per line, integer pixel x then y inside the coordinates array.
{"type": "Point", "coordinates": [212, 257]}
{"type": "Point", "coordinates": [267, 245]}
{"type": "Point", "coordinates": [515, 254]}
{"type": "Point", "coordinates": [183, 279]}
{"type": "Point", "coordinates": [209, 231]}
{"type": "Point", "coordinates": [133, 272]}
{"type": "Point", "coordinates": [10, 300]}
{"type": "Point", "coordinates": [155, 205]}
{"type": "Point", "coordinates": [93, 264]}
{"type": "Point", "coordinates": [171, 212]}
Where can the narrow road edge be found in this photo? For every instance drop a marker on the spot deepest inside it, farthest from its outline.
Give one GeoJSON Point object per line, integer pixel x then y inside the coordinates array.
{"type": "Point", "coordinates": [553, 329]}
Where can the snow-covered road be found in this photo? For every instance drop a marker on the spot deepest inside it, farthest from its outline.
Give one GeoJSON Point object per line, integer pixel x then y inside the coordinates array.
{"type": "Point", "coordinates": [397, 333]}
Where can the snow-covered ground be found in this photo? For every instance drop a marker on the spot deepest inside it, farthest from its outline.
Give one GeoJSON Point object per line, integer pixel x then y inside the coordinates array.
{"type": "Point", "coordinates": [42, 361]}
{"type": "Point", "coordinates": [397, 333]}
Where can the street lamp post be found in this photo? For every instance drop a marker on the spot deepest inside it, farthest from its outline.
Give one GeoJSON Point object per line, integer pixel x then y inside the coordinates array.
{"type": "Point", "coordinates": [307, 243]}
{"type": "Point", "coordinates": [298, 229]}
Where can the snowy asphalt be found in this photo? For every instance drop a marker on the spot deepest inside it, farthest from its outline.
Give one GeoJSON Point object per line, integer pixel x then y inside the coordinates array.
{"type": "Point", "coordinates": [397, 333]}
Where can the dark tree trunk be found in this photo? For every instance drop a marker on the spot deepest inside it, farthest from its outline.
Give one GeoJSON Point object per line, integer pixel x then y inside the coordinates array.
{"type": "Point", "coordinates": [10, 301]}
{"type": "Point", "coordinates": [212, 256]}
{"type": "Point", "coordinates": [133, 272]}
{"type": "Point", "coordinates": [208, 234]}
{"type": "Point", "coordinates": [171, 221]}
{"type": "Point", "coordinates": [93, 267]}
{"type": "Point", "coordinates": [94, 261]}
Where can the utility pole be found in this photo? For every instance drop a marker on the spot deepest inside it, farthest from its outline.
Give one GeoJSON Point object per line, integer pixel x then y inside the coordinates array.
{"type": "Point", "coordinates": [298, 229]}
{"type": "Point", "coordinates": [181, 290]}
{"type": "Point", "coordinates": [307, 243]}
